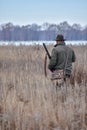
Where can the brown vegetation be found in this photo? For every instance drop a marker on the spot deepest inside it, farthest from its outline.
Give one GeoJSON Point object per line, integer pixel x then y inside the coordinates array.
{"type": "Point", "coordinates": [29, 101]}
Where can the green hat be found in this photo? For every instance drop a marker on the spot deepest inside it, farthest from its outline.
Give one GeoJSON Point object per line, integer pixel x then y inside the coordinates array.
{"type": "Point", "coordinates": [60, 38]}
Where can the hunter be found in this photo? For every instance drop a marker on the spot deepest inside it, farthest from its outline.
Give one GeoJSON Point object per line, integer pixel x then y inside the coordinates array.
{"type": "Point", "coordinates": [62, 58]}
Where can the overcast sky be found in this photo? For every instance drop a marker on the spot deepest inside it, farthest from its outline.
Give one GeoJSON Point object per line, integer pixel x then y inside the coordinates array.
{"type": "Point", "coordinates": [24, 12]}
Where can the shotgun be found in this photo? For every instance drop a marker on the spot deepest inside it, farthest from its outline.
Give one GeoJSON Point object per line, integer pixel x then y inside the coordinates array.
{"type": "Point", "coordinates": [45, 62]}
{"type": "Point", "coordinates": [46, 51]}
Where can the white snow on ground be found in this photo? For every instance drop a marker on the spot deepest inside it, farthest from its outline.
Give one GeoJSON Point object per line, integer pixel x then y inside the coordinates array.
{"type": "Point", "coordinates": [40, 42]}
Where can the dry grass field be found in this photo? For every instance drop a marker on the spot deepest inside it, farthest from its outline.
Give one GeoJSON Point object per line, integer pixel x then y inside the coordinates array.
{"type": "Point", "coordinates": [29, 101]}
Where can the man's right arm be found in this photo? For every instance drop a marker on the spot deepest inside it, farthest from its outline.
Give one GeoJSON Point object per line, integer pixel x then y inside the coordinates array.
{"type": "Point", "coordinates": [73, 56]}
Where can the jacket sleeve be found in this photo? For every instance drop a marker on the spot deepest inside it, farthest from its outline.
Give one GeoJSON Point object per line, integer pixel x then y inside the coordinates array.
{"type": "Point", "coordinates": [53, 60]}
{"type": "Point", "coordinates": [73, 56]}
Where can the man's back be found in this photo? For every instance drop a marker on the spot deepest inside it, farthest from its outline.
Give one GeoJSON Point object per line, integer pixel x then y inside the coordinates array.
{"type": "Point", "coordinates": [62, 56]}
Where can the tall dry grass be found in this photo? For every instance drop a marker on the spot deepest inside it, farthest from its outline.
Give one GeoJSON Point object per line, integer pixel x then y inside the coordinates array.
{"type": "Point", "coordinates": [29, 101]}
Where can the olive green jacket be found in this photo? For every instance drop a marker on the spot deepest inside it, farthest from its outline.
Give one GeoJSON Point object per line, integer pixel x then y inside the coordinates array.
{"type": "Point", "coordinates": [60, 53]}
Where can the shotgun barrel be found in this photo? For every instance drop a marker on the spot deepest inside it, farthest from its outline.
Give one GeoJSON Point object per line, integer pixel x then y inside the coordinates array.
{"type": "Point", "coordinates": [46, 51]}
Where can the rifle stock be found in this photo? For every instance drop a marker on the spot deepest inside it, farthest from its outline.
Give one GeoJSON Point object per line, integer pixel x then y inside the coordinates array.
{"type": "Point", "coordinates": [46, 51]}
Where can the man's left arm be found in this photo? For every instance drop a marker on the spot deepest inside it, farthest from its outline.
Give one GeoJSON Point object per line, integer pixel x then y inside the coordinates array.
{"type": "Point", "coordinates": [53, 60]}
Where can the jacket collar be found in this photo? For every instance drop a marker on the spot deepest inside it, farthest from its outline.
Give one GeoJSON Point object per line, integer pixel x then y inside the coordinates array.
{"type": "Point", "coordinates": [62, 44]}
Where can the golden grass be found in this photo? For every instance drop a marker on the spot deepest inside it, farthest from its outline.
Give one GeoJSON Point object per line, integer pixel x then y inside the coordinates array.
{"type": "Point", "coordinates": [29, 101]}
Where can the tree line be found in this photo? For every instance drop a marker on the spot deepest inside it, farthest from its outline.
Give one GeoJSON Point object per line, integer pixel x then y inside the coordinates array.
{"type": "Point", "coordinates": [34, 32]}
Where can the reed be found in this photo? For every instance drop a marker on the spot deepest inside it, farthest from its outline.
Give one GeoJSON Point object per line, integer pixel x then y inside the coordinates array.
{"type": "Point", "coordinates": [29, 101]}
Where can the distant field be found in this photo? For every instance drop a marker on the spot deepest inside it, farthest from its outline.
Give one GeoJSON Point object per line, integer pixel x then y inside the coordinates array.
{"type": "Point", "coordinates": [29, 101]}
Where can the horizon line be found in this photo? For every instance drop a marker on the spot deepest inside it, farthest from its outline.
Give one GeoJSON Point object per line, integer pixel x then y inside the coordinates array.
{"type": "Point", "coordinates": [24, 24]}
